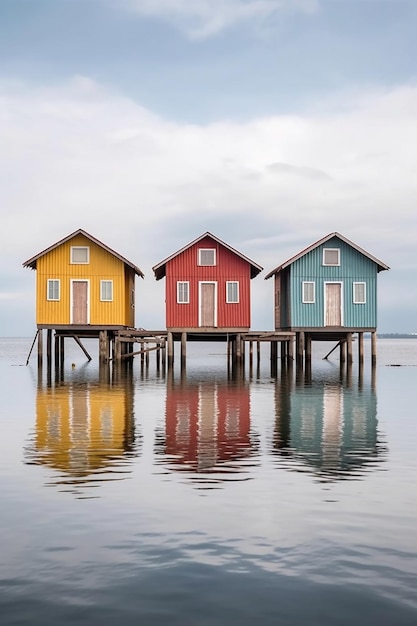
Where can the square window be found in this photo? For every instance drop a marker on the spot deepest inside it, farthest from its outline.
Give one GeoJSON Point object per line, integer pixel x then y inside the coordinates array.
{"type": "Point", "coordinates": [309, 296]}
{"type": "Point", "coordinates": [106, 290]}
{"type": "Point", "coordinates": [232, 292]}
{"type": "Point", "coordinates": [359, 293]}
{"type": "Point", "coordinates": [206, 256]}
{"type": "Point", "coordinates": [53, 289]}
{"type": "Point", "coordinates": [80, 255]}
{"type": "Point", "coordinates": [183, 292]}
{"type": "Point", "coordinates": [331, 256]}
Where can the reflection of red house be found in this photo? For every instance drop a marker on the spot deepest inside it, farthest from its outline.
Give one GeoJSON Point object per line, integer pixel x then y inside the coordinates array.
{"type": "Point", "coordinates": [207, 287]}
{"type": "Point", "coordinates": [207, 424]}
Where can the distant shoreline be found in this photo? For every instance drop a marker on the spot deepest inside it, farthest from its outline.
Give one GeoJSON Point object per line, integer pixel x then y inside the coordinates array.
{"type": "Point", "coordinates": [396, 336]}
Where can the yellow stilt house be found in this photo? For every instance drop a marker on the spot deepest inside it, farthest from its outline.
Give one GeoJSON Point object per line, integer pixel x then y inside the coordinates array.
{"type": "Point", "coordinates": [83, 287]}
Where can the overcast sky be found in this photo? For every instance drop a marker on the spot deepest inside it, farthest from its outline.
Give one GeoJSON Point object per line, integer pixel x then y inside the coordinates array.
{"type": "Point", "coordinates": [270, 123]}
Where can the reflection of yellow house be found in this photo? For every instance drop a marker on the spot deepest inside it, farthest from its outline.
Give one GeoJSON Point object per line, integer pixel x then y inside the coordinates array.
{"type": "Point", "coordinates": [80, 281]}
{"type": "Point", "coordinates": [80, 430]}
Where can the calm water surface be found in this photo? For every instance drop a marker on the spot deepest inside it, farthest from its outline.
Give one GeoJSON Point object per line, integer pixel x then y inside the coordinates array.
{"type": "Point", "coordinates": [194, 499]}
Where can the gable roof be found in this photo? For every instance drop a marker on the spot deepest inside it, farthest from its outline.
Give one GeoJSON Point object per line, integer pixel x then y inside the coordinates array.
{"type": "Point", "coordinates": [160, 268]}
{"type": "Point", "coordinates": [32, 262]}
{"type": "Point", "coordinates": [380, 264]}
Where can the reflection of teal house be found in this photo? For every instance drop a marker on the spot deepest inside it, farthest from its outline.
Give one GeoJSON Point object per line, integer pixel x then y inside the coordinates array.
{"type": "Point", "coordinates": [330, 286]}
{"type": "Point", "coordinates": [330, 429]}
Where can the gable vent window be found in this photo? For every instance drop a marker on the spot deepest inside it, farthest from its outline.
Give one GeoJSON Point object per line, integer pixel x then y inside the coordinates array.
{"type": "Point", "coordinates": [232, 292]}
{"type": "Point", "coordinates": [331, 256]}
{"type": "Point", "coordinates": [359, 293]}
{"type": "Point", "coordinates": [80, 255]}
{"type": "Point", "coordinates": [207, 256]}
{"type": "Point", "coordinates": [309, 296]}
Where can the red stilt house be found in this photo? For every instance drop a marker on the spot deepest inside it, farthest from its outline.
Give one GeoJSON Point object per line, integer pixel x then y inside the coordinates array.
{"type": "Point", "coordinates": [207, 287]}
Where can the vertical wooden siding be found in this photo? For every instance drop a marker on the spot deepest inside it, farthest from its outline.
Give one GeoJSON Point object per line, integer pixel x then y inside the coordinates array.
{"type": "Point", "coordinates": [102, 266]}
{"type": "Point", "coordinates": [354, 267]}
{"type": "Point", "coordinates": [229, 267]}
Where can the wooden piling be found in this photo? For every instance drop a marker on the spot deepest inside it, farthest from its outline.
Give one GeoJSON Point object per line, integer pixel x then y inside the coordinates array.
{"type": "Point", "coordinates": [360, 348]}
{"type": "Point", "coordinates": [170, 342]}
{"type": "Point", "coordinates": [40, 348]}
{"type": "Point", "coordinates": [373, 348]}
{"type": "Point", "coordinates": [349, 348]}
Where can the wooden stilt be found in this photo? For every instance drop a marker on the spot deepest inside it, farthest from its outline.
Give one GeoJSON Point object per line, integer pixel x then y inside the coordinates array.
{"type": "Point", "coordinates": [291, 350]}
{"type": "Point", "coordinates": [170, 341]}
{"type": "Point", "coordinates": [56, 350]}
{"type": "Point", "coordinates": [299, 339]}
{"type": "Point", "coordinates": [349, 348]}
{"type": "Point", "coordinates": [183, 348]}
{"type": "Point", "coordinates": [238, 348]}
{"type": "Point", "coordinates": [164, 358]}
{"type": "Point", "coordinates": [360, 348]}
{"type": "Point", "coordinates": [307, 338]}
{"type": "Point", "coordinates": [61, 353]}
{"type": "Point", "coordinates": [373, 348]}
{"type": "Point", "coordinates": [40, 348]}
{"type": "Point", "coordinates": [258, 353]}
{"type": "Point", "coordinates": [103, 350]}
{"type": "Point", "coordinates": [342, 345]}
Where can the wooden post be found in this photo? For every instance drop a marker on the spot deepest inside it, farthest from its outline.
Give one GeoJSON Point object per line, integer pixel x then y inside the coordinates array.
{"type": "Point", "coordinates": [62, 353]}
{"type": "Point", "coordinates": [164, 355]}
{"type": "Point", "coordinates": [299, 339]}
{"type": "Point", "coordinates": [342, 345]}
{"type": "Point", "coordinates": [307, 339]}
{"type": "Point", "coordinates": [291, 350]}
{"type": "Point", "coordinates": [118, 348]}
{"type": "Point", "coordinates": [40, 347]}
{"type": "Point", "coordinates": [250, 356]}
{"type": "Point", "coordinates": [238, 348]}
{"type": "Point", "coordinates": [158, 357]}
{"type": "Point", "coordinates": [103, 349]}
{"type": "Point", "coordinates": [274, 354]}
{"type": "Point", "coordinates": [56, 350]}
{"type": "Point", "coordinates": [258, 353]}
{"type": "Point", "coordinates": [284, 345]}
{"type": "Point", "coordinates": [360, 347]}
{"type": "Point", "coordinates": [373, 348]}
{"type": "Point", "coordinates": [49, 346]}
{"type": "Point", "coordinates": [183, 348]}
{"type": "Point", "coordinates": [170, 340]}
{"type": "Point", "coordinates": [147, 355]}
{"type": "Point", "coordinates": [349, 348]}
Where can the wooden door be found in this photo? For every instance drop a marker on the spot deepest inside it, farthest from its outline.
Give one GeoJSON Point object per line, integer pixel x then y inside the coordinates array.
{"type": "Point", "coordinates": [79, 302]}
{"type": "Point", "coordinates": [333, 311]}
{"type": "Point", "coordinates": [208, 304]}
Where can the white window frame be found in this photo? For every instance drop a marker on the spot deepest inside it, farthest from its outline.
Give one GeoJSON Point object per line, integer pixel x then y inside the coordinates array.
{"type": "Point", "coordinates": [228, 300]}
{"type": "Point", "coordinates": [80, 248]}
{"type": "Point", "coordinates": [102, 283]}
{"type": "Point", "coordinates": [201, 251]}
{"type": "Point", "coordinates": [53, 280]}
{"type": "Point", "coordinates": [355, 301]}
{"type": "Point", "coordinates": [303, 293]}
{"type": "Point", "coordinates": [331, 250]}
{"type": "Point", "coordinates": [181, 283]}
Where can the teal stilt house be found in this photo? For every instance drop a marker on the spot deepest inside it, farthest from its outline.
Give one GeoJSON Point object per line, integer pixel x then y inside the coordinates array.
{"type": "Point", "coordinates": [327, 292]}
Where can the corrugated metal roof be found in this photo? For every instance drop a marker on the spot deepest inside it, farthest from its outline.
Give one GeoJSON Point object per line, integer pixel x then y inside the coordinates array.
{"type": "Point", "coordinates": [32, 261]}
{"type": "Point", "coordinates": [159, 269]}
{"type": "Point", "coordinates": [381, 265]}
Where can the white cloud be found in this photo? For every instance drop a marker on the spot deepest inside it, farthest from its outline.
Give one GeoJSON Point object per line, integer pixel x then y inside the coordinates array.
{"type": "Point", "coordinates": [205, 18]}
{"type": "Point", "coordinates": [81, 156]}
